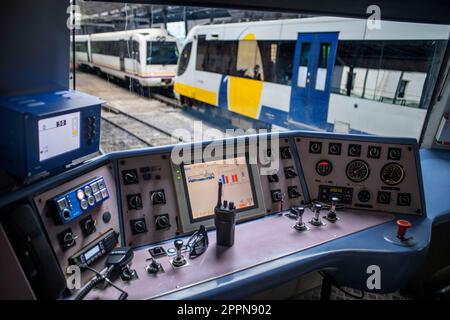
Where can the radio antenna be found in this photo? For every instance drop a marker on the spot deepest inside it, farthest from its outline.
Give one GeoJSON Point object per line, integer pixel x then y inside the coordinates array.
{"type": "Point", "coordinates": [219, 196]}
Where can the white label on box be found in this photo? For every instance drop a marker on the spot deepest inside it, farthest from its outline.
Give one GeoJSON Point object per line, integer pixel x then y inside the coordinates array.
{"type": "Point", "coordinates": [58, 135]}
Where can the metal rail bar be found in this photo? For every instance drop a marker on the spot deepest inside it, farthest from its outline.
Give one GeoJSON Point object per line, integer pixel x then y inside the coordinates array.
{"type": "Point", "coordinates": [127, 131]}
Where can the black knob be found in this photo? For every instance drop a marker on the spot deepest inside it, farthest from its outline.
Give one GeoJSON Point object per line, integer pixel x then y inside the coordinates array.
{"type": "Point", "coordinates": [106, 217]}
{"type": "Point", "coordinates": [158, 197]}
{"type": "Point", "coordinates": [69, 239]}
{"type": "Point", "coordinates": [162, 222]}
{"type": "Point", "coordinates": [88, 226]}
{"type": "Point", "coordinates": [139, 226]}
{"type": "Point", "coordinates": [277, 196]}
{"type": "Point", "coordinates": [286, 153]}
{"type": "Point", "coordinates": [290, 172]}
{"type": "Point", "coordinates": [178, 244]}
{"type": "Point", "coordinates": [273, 178]}
{"type": "Point", "coordinates": [135, 202]}
{"type": "Point", "coordinates": [293, 192]}
{"type": "Point", "coordinates": [130, 177]}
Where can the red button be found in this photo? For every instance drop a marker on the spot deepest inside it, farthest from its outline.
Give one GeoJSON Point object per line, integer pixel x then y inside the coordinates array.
{"type": "Point", "coordinates": [402, 226]}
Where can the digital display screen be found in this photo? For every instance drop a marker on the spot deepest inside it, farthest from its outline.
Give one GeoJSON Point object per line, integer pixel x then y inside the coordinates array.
{"type": "Point", "coordinates": [58, 135]}
{"type": "Point", "coordinates": [91, 252]}
{"type": "Point", "coordinates": [201, 182]}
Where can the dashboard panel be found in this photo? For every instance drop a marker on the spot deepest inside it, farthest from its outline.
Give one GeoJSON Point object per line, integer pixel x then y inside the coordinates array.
{"type": "Point", "coordinates": [69, 239]}
{"type": "Point", "coordinates": [363, 174]}
{"type": "Point", "coordinates": [145, 205]}
{"type": "Point", "coordinates": [286, 181]}
{"type": "Point", "coordinates": [149, 202]}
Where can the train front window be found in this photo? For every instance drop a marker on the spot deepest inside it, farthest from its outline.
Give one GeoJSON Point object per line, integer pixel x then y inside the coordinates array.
{"type": "Point", "coordinates": [244, 70]}
{"type": "Point", "coordinates": [162, 52]}
{"type": "Point", "coordinates": [184, 58]}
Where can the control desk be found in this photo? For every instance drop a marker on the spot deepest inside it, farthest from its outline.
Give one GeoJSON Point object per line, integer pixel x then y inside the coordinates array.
{"type": "Point", "coordinates": [302, 202]}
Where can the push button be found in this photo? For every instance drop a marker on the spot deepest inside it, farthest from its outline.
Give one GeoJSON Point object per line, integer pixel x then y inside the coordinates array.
{"type": "Point", "coordinates": [402, 227]}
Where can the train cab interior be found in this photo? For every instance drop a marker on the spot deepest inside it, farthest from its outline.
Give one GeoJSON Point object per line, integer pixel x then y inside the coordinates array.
{"type": "Point", "coordinates": [260, 150]}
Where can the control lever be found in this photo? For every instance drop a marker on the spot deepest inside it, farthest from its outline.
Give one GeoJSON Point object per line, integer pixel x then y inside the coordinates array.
{"type": "Point", "coordinates": [316, 220]}
{"type": "Point", "coordinates": [128, 274]}
{"type": "Point", "coordinates": [299, 224]}
{"type": "Point", "coordinates": [179, 259]}
{"type": "Point", "coordinates": [154, 267]}
{"type": "Point", "coordinates": [331, 216]}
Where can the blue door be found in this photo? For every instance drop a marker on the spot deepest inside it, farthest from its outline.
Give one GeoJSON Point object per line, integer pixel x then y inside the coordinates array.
{"type": "Point", "coordinates": [311, 80]}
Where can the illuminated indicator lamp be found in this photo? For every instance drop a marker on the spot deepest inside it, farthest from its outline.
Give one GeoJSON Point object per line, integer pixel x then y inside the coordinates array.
{"type": "Point", "coordinates": [80, 194]}
{"type": "Point", "coordinates": [402, 226]}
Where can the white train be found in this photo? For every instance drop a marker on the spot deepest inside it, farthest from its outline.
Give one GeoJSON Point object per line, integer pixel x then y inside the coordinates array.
{"type": "Point", "coordinates": [324, 73]}
{"type": "Point", "coordinates": [146, 56]}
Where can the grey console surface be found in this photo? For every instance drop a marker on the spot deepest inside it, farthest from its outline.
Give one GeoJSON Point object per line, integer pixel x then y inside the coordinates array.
{"type": "Point", "coordinates": [257, 242]}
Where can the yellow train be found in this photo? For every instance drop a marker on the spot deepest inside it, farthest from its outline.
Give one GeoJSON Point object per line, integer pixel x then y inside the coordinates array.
{"type": "Point", "coordinates": [320, 73]}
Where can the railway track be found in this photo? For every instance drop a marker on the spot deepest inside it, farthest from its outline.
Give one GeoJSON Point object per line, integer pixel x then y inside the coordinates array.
{"type": "Point", "coordinates": [128, 132]}
{"type": "Point", "coordinates": [166, 100]}
{"type": "Point", "coordinates": [133, 120]}
{"type": "Point", "coordinates": [134, 131]}
{"type": "Point", "coordinates": [116, 111]}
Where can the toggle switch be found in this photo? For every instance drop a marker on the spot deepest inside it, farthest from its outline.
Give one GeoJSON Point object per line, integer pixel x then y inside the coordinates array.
{"type": "Point", "coordinates": [331, 216]}
{"type": "Point", "coordinates": [316, 220]}
{"type": "Point", "coordinates": [299, 224]}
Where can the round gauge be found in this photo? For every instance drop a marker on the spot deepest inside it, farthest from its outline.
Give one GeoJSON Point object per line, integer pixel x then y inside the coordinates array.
{"type": "Point", "coordinates": [324, 167]}
{"type": "Point", "coordinates": [364, 195]}
{"type": "Point", "coordinates": [357, 170]}
{"type": "Point", "coordinates": [392, 174]}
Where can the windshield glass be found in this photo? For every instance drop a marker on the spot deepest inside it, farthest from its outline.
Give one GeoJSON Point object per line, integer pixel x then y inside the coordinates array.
{"type": "Point", "coordinates": [249, 70]}
{"type": "Point", "coordinates": [162, 52]}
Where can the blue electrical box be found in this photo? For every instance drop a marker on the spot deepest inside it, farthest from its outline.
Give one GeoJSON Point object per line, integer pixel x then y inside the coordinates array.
{"type": "Point", "coordinates": [47, 132]}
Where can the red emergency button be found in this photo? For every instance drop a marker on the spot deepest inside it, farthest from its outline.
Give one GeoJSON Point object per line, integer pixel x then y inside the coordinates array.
{"type": "Point", "coordinates": [402, 226]}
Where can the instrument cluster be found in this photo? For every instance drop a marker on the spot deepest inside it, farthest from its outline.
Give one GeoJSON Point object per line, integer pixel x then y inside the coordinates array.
{"type": "Point", "coordinates": [371, 175]}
